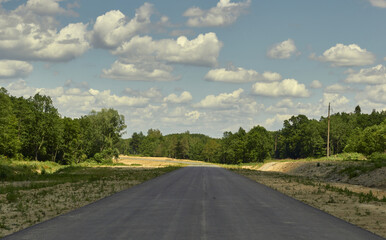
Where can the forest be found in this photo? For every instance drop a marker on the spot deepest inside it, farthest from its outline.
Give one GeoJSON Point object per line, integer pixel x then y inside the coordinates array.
{"type": "Point", "coordinates": [32, 128]}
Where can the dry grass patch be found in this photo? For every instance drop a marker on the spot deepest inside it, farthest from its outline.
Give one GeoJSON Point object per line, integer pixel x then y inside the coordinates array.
{"type": "Point", "coordinates": [154, 162]}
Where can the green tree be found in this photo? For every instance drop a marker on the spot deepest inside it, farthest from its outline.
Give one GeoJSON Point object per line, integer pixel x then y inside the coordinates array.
{"type": "Point", "coordinates": [211, 150]}
{"type": "Point", "coordinates": [372, 139]}
{"type": "Point", "coordinates": [135, 143]}
{"type": "Point", "coordinates": [301, 138]}
{"type": "Point", "coordinates": [151, 145]}
{"type": "Point", "coordinates": [259, 144]}
{"type": "Point", "coordinates": [9, 140]}
{"type": "Point", "coordinates": [102, 130]}
{"type": "Point", "coordinates": [39, 123]}
{"type": "Point", "coordinates": [72, 142]}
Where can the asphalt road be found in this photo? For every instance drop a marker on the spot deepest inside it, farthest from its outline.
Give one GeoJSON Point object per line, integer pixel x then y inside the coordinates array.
{"type": "Point", "coordinates": [196, 203]}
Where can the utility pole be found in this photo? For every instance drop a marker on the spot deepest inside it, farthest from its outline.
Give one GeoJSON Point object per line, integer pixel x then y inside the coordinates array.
{"type": "Point", "coordinates": [328, 131]}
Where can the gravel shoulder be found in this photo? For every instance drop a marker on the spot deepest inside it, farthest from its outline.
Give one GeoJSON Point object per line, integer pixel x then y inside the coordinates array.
{"type": "Point", "coordinates": [360, 200]}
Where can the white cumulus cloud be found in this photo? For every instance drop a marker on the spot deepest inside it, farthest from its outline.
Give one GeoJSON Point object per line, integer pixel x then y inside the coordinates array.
{"type": "Point", "coordinates": [113, 28]}
{"type": "Point", "coordinates": [282, 50]}
{"type": "Point", "coordinates": [30, 32]}
{"type": "Point", "coordinates": [316, 84]}
{"type": "Point", "coordinates": [45, 7]}
{"type": "Point", "coordinates": [374, 93]}
{"type": "Point", "coordinates": [23, 37]}
{"type": "Point", "coordinates": [342, 55]}
{"type": "Point", "coordinates": [278, 118]}
{"type": "Point", "coordinates": [240, 75]}
{"type": "Point", "coordinates": [337, 101]}
{"type": "Point", "coordinates": [378, 3]}
{"type": "Point", "coordinates": [201, 51]}
{"type": "Point", "coordinates": [14, 69]}
{"type": "Point", "coordinates": [285, 88]}
{"type": "Point", "coordinates": [138, 72]}
{"type": "Point", "coordinates": [225, 13]}
{"type": "Point", "coordinates": [74, 102]}
{"type": "Point", "coordinates": [271, 76]}
{"type": "Point", "coordinates": [336, 88]}
{"type": "Point", "coordinates": [374, 75]}
{"type": "Point", "coordinates": [223, 100]}
{"type": "Point", "coordinates": [183, 98]}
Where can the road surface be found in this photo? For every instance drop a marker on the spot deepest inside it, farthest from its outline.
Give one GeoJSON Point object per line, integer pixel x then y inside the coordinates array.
{"type": "Point", "coordinates": [196, 203]}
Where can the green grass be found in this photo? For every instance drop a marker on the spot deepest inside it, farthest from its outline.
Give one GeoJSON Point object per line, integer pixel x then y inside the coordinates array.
{"type": "Point", "coordinates": [37, 175]}
{"type": "Point", "coordinates": [356, 170]}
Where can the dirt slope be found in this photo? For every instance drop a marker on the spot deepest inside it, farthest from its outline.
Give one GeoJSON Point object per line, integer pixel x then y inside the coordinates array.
{"type": "Point", "coordinates": [330, 171]}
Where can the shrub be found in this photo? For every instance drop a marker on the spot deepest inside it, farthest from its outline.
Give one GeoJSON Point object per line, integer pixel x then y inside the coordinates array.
{"type": "Point", "coordinates": [377, 156]}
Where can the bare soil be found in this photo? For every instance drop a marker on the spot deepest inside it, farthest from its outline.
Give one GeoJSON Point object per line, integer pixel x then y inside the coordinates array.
{"type": "Point", "coordinates": [330, 171]}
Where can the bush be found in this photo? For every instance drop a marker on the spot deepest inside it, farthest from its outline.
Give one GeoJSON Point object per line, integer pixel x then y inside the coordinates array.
{"type": "Point", "coordinates": [5, 171]}
{"type": "Point", "coordinates": [12, 196]}
{"type": "Point", "coordinates": [377, 156]}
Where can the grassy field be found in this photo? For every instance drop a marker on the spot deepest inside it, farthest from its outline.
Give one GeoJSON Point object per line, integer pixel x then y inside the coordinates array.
{"type": "Point", "coordinates": [31, 192]}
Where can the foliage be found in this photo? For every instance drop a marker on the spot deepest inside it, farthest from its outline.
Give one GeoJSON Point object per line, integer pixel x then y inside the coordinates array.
{"type": "Point", "coordinates": [33, 129]}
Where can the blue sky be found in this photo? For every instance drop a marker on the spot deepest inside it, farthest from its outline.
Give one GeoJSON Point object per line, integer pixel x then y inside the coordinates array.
{"type": "Point", "coordinates": [202, 66]}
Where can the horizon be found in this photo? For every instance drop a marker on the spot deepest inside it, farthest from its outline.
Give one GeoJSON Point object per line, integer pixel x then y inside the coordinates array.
{"type": "Point", "coordinates": [203, 67]}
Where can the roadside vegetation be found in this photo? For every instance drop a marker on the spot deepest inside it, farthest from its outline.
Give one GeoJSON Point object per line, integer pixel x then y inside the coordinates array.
{"type": "Point", "coordinates": [31, 192]}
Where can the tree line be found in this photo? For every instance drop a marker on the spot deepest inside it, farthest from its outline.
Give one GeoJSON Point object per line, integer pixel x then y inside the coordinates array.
{"type": "Point", "coordinates": [32, 128]}
{"type": "Point", "coordinates": [300, 137]}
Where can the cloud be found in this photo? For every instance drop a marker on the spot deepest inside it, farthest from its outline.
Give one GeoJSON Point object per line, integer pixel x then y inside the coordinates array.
{"type": "Point", "coordinates": [193, 115]}
{"type": "Point", "coordinates": [27, 35]}
{"type": "Point", "coordinates": [337, 101]}
{"type": "Point", "coordinates": [287, 103]}
{"type": "Point", "coordinates": [374, 94]}
{"type": "Point", "coordinates": [183, 98]}
{"type": "Point", "coordinates": [239, 75]}
{"type": "Point", "coordinates": [225, 13]}
{"type": "Point", "coordinates": [316, 84]}
{"type": "Point", "coordinates": [283, 106]}
{"type": "Point", "coordinates": [271, 76]}
{"type": "Point", "coordinates": [346, 55]}
{"type": "Point", "coordinates": [374, 75]}
{"type": "Point", "coordinates": [285, 88]}
{"type": "Point", "coordinates": [138, 72]}
{"type": "Point", "coordinates": [282, 50]}
{"type": "Point", "coordinates": [45, 7]}
{"type": "Point", "coordinates": [336, 88]}
{"type": "Point", "coordinates": [74, 102]}
{"type": "Point", "coordinates": [378, 3]}
{"type": "Point", "coordinates": [14, 69]}
{"type": "Point", "coordinates": [201, 51]}
{"type": "Point", "coordinates": [223, 100]}
{"type": "Point", "coordinates": [113, 28]}
{"type": "Point", "coordinates": [153, 93]}
{"type": "Point", "coordinates": [278, 118]}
